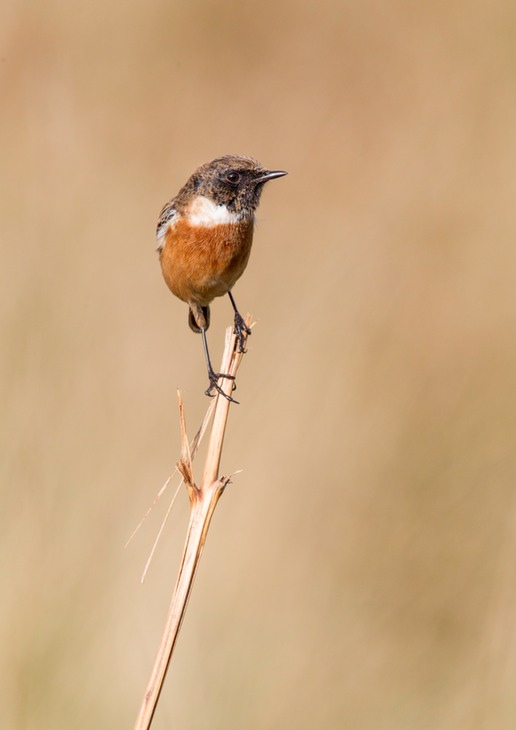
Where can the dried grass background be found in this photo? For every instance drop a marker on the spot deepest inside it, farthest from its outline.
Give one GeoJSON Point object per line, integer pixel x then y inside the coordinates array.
{"type": "Point", "coordinates": [360, 571]}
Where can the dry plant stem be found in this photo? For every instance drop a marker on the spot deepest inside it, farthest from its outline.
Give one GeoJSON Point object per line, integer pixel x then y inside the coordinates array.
{"type": "Point", "coordinates": [203, 500]}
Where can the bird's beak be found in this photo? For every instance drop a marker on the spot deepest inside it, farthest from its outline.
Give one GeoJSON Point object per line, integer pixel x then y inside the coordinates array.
{"type": "Point", "coordinates": [270, 175]}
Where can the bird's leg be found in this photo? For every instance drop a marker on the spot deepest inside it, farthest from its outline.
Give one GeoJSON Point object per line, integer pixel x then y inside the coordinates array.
{"type": "Point", "coordinates": [240, 326]}
{"type": "Point", "coordinates": [212, 375]}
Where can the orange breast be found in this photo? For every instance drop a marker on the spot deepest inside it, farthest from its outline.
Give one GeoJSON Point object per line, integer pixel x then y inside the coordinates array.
{"type": "Point", "coordinates": [200, 263]}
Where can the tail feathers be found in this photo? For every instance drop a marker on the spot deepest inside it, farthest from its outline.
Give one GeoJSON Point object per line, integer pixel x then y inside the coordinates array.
{"type": "Point", "coordinates": [199, 317]}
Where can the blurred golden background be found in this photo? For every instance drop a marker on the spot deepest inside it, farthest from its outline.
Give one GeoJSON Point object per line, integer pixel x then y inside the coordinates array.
{"type": "Point", "coordinates": [359, 573]}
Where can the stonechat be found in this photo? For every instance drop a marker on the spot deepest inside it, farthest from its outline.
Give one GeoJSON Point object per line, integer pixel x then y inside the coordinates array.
{"type": "Point", "coordinates": [204, 239]}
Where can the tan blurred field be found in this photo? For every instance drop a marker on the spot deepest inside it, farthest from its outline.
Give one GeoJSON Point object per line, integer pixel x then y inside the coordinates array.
{"type": "Point", "coordinates": [360, 572]}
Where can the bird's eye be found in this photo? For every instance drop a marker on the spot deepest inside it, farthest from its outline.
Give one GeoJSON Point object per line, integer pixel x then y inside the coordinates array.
{"type": "Point", "coordinates": [233, 177]}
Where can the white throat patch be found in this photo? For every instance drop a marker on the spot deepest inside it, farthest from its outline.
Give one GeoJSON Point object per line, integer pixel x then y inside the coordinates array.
{"type": "Point", "coordinates": [205, 212]}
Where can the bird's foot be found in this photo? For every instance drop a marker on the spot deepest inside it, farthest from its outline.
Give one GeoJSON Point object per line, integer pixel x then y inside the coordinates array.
{"type": "Point", "coordinates": [214, 386]}
{"type": "Point", "coordinates": [241, 330]}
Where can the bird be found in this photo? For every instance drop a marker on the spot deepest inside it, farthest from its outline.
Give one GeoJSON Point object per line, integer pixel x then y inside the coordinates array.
{"type": "Point", "coordinates": [204, 237]}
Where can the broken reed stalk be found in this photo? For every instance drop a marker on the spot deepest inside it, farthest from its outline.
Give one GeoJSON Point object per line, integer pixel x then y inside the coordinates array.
{"type": "Point", "coordinates": [203, 500]}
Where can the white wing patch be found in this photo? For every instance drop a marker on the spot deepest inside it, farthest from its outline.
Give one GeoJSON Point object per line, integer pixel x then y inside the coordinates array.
{"type": "Point", "coordinates": [167, 218]}
{"type": "Point", "coordinates": [205, 212]}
